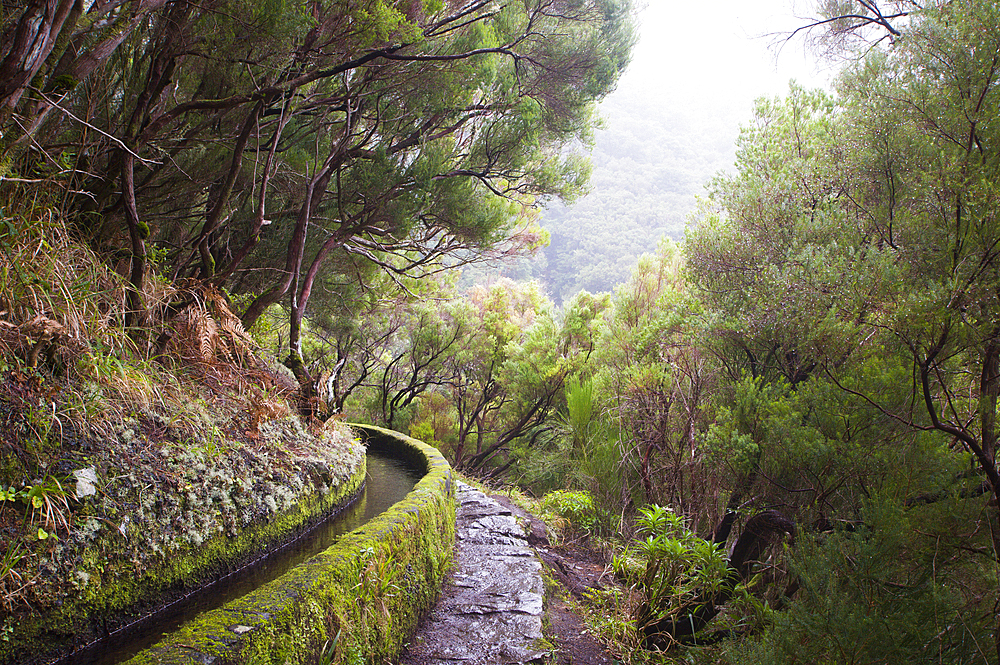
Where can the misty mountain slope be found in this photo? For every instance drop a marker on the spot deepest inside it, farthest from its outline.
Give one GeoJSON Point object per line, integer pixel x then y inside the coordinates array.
{"type": "Point", "coordinates": [650, 163]}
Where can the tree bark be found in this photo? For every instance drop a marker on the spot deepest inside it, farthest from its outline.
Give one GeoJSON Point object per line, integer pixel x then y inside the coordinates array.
{"type": "Point", "coordinates": [989, 392]}
{"type": "Point", "coordinates": [315, 191]}
{"type": "Point", "coordinates": [222, 198]}
{"type": "Point", "coordinates": [33, 40]}
{"type": "Point", "coordinates": [259, 220]}
{"type": "Point", "coordinates": [308, 395]}
{"type": "Point", "coordinates": [137, 234]}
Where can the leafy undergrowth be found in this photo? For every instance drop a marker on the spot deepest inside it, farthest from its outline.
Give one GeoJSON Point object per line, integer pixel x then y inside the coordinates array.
{"type": "Point", "coordinates": [596, 576]}
{"type": "Point", "coordinates": [123, 449]}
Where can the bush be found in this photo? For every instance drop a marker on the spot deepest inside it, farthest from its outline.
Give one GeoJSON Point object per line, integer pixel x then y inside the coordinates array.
{"type": "Point", "coordinates": [575, 507]}
{"type": "Point", "coordinates": [876, 595]}
{"type": "Point", "coordinates": [673, 570]}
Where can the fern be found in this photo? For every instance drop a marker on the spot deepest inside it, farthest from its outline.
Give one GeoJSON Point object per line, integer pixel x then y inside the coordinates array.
{"type": "Point", "coordinates": [208, 330]}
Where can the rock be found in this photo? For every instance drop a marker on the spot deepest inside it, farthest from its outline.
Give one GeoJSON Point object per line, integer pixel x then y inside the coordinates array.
{"type": "Point", "coordinates": [86, 482]}
{"type": "Point", "coordinates": [491, 609]}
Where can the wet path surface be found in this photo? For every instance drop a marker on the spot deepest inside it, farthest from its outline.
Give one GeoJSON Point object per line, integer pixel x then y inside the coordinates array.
{"type": "Point", "coordinates": [491, 609]}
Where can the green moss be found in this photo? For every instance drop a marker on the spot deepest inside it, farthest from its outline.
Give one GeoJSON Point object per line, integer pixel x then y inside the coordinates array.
{"type": "Point", "coordinates": [63, 83]}
{"type": "Point", "coordinates": [106, 579]}
{"type": "Point", "coordinates": [371, 587]}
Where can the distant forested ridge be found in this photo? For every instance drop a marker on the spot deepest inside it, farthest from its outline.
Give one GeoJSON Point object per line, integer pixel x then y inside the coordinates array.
{"type": "Point", "coordinates": [647, 172]}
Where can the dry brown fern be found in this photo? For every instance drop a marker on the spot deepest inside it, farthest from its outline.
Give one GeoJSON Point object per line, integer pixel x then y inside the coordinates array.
{"type": "Point", "coordinates": [260, 411]}
{"type": "Point", "coordinates": [238, 343]}
{"type": "Point", "coordinates": [206, 330]}
{"type": "Point", "coordinates": [39, 338]}
{"type": "Point", "coordinates": [195, 333]}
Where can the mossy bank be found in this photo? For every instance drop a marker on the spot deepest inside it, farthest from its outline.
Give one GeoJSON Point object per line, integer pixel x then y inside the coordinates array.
{"type": "Point", "coordinates": [359, 601]}
{"type": "Point", "coordinates": [150, 519]}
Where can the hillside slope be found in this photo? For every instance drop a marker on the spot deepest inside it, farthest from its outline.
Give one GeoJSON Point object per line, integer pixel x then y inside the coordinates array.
{"type": "Point", "coordinates": [134, 462]}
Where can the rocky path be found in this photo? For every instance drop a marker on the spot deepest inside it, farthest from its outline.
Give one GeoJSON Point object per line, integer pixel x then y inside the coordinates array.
{"type": "Point", "coordinates": [490, 612]}
{"type": "Point", "coordinates": [492, 609]}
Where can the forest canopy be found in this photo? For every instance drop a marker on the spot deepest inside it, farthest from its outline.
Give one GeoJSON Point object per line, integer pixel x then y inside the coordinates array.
{"type": "Point", "coordinates": [241, 143]}
{"type": "Point", "coordinates": [784, 426]}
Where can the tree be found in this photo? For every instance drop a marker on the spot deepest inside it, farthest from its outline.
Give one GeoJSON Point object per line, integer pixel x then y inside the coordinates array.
{"type": "Point", "coordinates": [652, 380]}
{"type": "Point", "coordinates": [491, 412]}
{"type": "Point", "coordinates": [412, 131]}
{"type": "Point", "coordinates": [856, 252]}
{"type": "Point", "coordinates": [857, 25]}
{"type": "Point", "coordinates": [431, 335]}
{"type": "Point", "coordinates": [927, 110]}
{"type": "Point", "coordinates": [358, 317]}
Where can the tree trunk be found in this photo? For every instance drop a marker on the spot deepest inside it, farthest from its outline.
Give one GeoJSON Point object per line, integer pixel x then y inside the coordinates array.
{"type": "Point", "coordinates": [308, 395]}
{"type": "Point", "coordinates": [296, 246]}
{"type": "Point", "coordinates": [308, 398]}
{"type": "Point", "coordinates": [984, 449]}
{"type": "Point", "coordinates": [137, 232]}
{"type": "Point", "coordinates": [203, 242]}
{"type": "Point", "coordinates": [33, 40]}
{"type": "Point", "coordinates": [989, 392]}
{"type": "Point", "coordinates": [259, 221]}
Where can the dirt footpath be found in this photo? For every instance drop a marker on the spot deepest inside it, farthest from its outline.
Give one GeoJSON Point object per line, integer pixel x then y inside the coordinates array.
{"type": "Point", "coordinates": [575, 570]}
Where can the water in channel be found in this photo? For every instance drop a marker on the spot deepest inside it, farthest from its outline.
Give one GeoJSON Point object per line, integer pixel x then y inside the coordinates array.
{"type": "Point", "coordinates": [388, 481]}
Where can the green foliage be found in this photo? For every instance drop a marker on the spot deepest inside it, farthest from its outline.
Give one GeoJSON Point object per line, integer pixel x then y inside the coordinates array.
{"type": "Point", "coordinates": [46, 501]}
{"type": "Point", "coordinates": [836, 269]}
{"type": "Point", "coordinates": [673, 570]}
{"type": "Point", "coordinates": [650, 379]}
{"type": "Point", "coordinates": [579, 452]}
{"type": "Point", "coordinates": [49, 503]}
{"type": "Point", "coordinates": [547, 464]}
{"type": "Point", "coordinates": [396, 134]}
{"type": "Point", "coordinates": [579, 409]}
{"type": "Point", "coordinates": [11, 580]}
{"type": "Point", "coordinates": [860, 602]}
{"type": "Point", "coordinates": [423, 431]}
{"type": "Point", "coordinates": [574, 506]}
{"type": "Point", "coordinates": [825, 341]}
{"type": "Point", "coordinates": [600, 469]}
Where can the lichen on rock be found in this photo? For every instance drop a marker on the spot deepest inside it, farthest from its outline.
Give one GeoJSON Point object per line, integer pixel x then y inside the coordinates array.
{"type": "Point", "coordinates": [167, 514]}
{"type": "Point", "coordinates": [358, 601]}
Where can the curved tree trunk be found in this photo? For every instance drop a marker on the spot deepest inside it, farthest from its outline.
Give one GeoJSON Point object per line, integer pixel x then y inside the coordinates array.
{"type": "Point", "coordinates": [32, 42]}
{"type": "Point", "coordinates": [137, 232]}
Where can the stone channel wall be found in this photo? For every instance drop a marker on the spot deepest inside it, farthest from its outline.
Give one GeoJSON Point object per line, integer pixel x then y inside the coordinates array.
{"type": "Point", "coordinates": [357, 602]}
{"type": "Point", "coordinates": [168, 516]}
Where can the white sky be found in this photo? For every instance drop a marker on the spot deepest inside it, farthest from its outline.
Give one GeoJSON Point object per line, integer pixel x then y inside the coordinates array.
{"type": "Point", "coordinates": [695, 73]}
{"type": "Point", "coordinates": [721, 50]}
{"type": "Point", "coordinates": [699, 66]}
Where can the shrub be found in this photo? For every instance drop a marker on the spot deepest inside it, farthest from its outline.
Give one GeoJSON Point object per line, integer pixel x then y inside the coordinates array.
{"type": "Point", "coordinates": [674, 571]}
{"type": "Point", "coordinates": [574, 506]}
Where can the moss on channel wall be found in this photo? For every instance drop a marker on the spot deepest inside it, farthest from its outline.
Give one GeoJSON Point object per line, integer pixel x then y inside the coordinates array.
{"type": "Point", "coordinates": [358, 601]}
{"type": "Point", "coordinates": [209, 515]}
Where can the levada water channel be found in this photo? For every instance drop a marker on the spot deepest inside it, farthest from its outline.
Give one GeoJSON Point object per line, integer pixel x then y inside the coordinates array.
{"type": "Point", "coordinates": [388, 481]}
